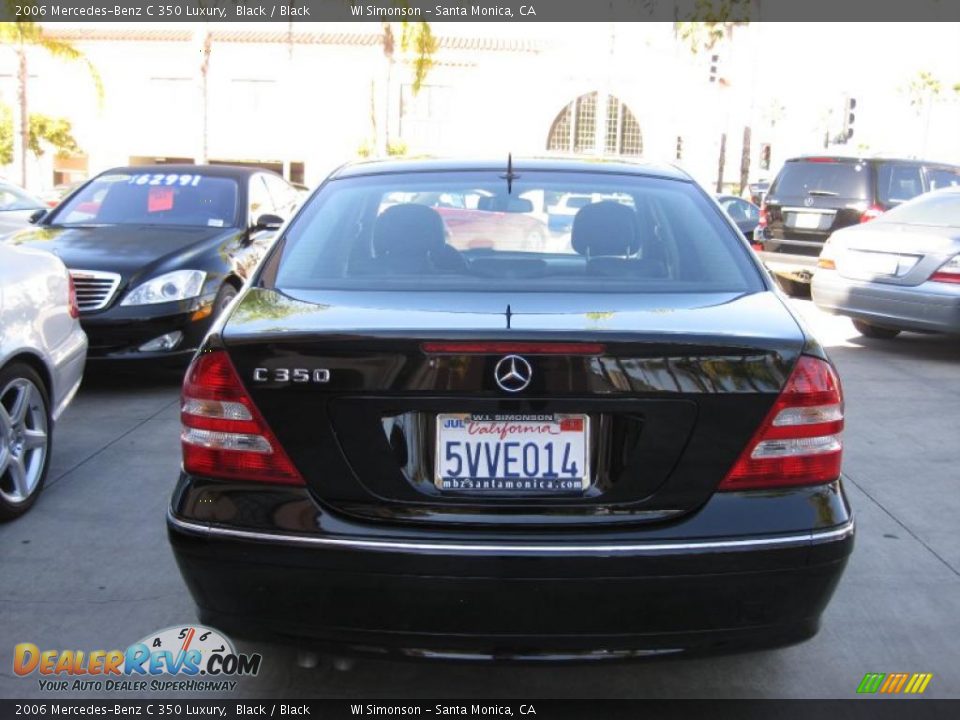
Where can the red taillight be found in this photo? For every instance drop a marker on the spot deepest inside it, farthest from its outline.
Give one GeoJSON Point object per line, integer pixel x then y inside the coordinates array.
{"type": "Point", "coordinates": [505, 348]}
{"type": "Point", "coordinates": [871, 213]}
{"type": "Point", "coordinates": [949, 272]}
{"type": "Point", "coordinates": [799, 441]}
{"type": "Point", "coordinates": [74, 306]}
{"type": "Point", "coordinates": [223, 434]}
{"type": "Point", "coordinates": [762, 220]}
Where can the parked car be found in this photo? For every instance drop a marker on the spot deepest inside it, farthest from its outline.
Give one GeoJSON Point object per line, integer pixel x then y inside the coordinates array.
{"type": "Point", "coordinates": [55, 195]}
{"type": "Point", "coordinates": [814, 196]}
{"type": "Point", "coordinates": [16, 208]}
{"type": "Point", "coordinates": [560, 216]}
{"type": "Point", "coordinates": [157, 252]}
{"type": "Point", "coordinates": [42, 354]}
{"type": "Point", "coordinates": [758, 191]}
{"type": "Point", "coordinates": [621, 446]}
{"type": "Point", "coordinates": [900, 272]}
{"type": "Point", "coordinates": [744, 214]}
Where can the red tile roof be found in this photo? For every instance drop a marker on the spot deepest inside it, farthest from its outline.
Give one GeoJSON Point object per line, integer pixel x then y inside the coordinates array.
{"type": "Point", "coordinates": [106, 34]}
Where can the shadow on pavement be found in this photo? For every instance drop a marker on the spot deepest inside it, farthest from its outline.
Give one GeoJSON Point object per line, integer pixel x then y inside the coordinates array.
{"type": "Point", "coordinates": [906, 345]}
{"type": "Point", "coordinates": [127, 378]}
{"type": "Point", "coordinates": [664, 677]}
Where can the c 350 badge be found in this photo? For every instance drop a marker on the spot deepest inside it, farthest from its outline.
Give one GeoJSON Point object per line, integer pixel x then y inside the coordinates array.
{"type": "Point", "coordinates": [291, 375]}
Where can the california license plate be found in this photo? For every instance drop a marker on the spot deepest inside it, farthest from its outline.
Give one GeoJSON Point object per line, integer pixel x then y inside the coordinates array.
{"type": "Point", "coordinates": [807, 221]}
{"type": "Point", "coordinates": [872, 263]}
{"type": "Point", "coordinates": [512, 454]}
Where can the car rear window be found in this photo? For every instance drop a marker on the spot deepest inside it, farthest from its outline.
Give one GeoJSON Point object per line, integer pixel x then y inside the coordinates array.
{"type": "Point", "coordinates": [471, 231]}
{"type": "Point", "coordinates": [898, 182]}
{"type": "Point", "coordinates": [943, 177]}
{"type": "Point", "coordinates": [191, 199]}
{"type": "Point", "coordinates": [801, 178]}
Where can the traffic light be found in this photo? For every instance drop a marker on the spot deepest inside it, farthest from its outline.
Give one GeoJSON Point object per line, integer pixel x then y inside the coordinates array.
{"type": "Point", "coordinates": [714, 64]}
{"type": "Point", "coordinates": [679, 147]}
{"type": "Point", "coordinates": [764, 156]}
{"type": "Point", "coordinates": [848, 118]}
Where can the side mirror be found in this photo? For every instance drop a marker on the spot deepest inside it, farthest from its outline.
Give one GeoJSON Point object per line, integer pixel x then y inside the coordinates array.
{"type": "Point", "coordinates": [268, 222]}
{"type": "Point", "coordinates": [36, 216]}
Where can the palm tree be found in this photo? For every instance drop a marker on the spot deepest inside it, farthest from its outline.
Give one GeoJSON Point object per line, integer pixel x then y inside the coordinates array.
{"type": "Point", "coordinates": [204, 39]}
{"type": "Point", "coordinates": [924, 91]}
{"type": "Point", "coordinates": [21, 36]}
{"type": "Point", "coordinates": [702, 35]}
{"type": "Point", "coordinates": [414, 37]}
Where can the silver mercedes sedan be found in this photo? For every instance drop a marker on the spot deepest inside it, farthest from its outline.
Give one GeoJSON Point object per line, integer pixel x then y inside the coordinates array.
{"type": "Point", "coordinates": [42, 354]}
{"type": "Point", "coordinates": [898, 272]}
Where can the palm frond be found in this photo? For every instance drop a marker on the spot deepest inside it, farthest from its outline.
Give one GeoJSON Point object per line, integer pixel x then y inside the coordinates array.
{"type": "Point", "coordinates": [419, 38]}
{"type": "Point", "coordinates": [57, 48]}
{"type": "Point", "coordinates": [17, 32]}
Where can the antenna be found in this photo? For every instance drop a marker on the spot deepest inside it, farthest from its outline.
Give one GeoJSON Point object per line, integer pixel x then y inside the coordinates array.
{"type": "Point", "coordinates": [511, 175]}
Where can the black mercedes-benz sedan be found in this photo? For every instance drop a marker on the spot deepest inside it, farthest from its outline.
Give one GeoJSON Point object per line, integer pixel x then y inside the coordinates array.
{"type": "Point", "coordinates": [617, 442]}
{"type": "Point", "coordinates": [156, 252]}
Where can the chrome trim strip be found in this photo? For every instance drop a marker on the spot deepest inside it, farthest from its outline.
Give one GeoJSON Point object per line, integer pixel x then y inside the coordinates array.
{"type": "Point", "coordinates": [108, 291]}
{"type": "Point", "coordinates": [819, 211]}
{"type": "Point", "coordinates": [814, 537]}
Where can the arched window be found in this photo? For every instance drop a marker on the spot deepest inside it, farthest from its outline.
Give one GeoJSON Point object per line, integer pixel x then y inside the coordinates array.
{"type": "Point", "coordinates": [576, 129]}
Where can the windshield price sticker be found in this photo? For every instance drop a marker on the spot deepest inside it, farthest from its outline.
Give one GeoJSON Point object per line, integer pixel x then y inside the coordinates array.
{"type": "Point", "coordinates": [165, 179]}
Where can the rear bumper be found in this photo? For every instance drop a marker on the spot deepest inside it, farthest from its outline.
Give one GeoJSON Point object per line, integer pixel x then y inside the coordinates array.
{"type": "Point", "coordinates": [586, 597]}
{"type": "Point", "coordinates": [930, 306]}
{"type": "Point", "coordinates": [796, 267]}
{"type": "Point", "coordinates": [68, 363]}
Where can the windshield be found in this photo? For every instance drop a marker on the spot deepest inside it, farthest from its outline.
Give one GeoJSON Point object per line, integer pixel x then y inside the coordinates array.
{"type": "Point", "coordinates": [152, 199]}
{"type": "Point", "coordinates": [465, 231]}
{"type": "Point", "coordinates": [939, 209]}
{"type": "Point", "coordinates": [849, 180]}
{"type": "Point", "coordinates": [13, 198]}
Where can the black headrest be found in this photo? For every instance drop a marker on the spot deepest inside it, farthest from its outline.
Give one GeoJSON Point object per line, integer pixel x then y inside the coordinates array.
{"type": "Point", "coordinates": [605, 228]}
{"type": "Point", "coordinates": [408, 229]}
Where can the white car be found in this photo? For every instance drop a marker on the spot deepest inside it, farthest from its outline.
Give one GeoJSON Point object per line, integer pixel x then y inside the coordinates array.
{"type": "Point", "coordinates": [42, 354]}
{"type": "Point", "coordinates": [16, 208]}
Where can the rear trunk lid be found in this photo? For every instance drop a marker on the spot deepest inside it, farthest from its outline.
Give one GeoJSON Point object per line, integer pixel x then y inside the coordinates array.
{"type": "Point", "coordinates": [893, 253]}
{"type": "Point", "coordinates": [669, 401]}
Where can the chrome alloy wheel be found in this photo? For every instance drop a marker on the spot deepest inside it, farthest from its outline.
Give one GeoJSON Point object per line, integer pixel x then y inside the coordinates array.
{"type": "Point", "coordinates": [24, 439]}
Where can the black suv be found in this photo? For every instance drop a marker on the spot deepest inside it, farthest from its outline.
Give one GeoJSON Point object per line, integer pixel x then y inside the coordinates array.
{"type": "Point", "coordinates": [812, 197]}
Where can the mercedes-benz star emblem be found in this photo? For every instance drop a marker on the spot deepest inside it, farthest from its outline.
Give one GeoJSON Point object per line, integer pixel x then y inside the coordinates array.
{"type": "Point", "coordinates": [808, 201]}
{"type": "Point", "coordinates": [512, 373]}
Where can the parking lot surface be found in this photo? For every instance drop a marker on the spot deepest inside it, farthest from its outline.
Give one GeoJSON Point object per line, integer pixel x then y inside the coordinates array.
{"type": "Point", "coordinates": [89, 567]}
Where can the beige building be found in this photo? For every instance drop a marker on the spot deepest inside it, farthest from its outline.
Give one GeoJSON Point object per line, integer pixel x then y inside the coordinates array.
{"type": "Point", "coordinates": [304, 97]}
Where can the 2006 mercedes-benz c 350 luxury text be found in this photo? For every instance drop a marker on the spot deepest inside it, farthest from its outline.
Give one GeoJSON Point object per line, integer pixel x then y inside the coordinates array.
{"type": "Point", "coordinates": [614, 441]}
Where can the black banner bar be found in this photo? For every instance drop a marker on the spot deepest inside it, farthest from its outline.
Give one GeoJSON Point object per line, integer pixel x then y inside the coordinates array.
{"type": "Point", "coordinates": [176, 709]}
{"type": "Point", "coordinates": [476, 11]}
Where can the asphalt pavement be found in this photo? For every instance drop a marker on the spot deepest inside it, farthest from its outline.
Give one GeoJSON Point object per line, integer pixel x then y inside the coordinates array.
{"type": "Point", "coordinates": [89, 567]}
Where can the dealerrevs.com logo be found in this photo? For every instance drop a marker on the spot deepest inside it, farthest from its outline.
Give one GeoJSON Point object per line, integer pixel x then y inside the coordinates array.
{"type": "Point", "coordinates": [895, 683]}
{"type": "Point", "coordinates": [200, 658]}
